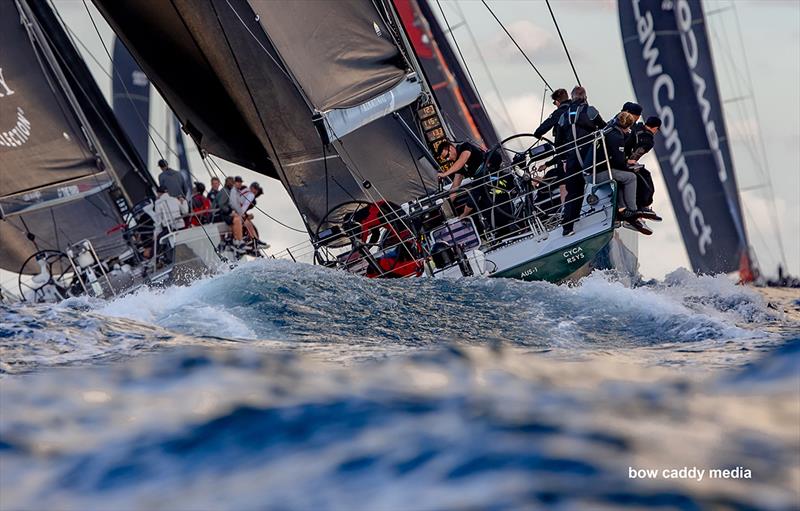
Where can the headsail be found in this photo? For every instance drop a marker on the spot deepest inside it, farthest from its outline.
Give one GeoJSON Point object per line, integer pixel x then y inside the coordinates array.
{"type": "Point", "coordinates": [669, 60]}
{"type": "Point", "coordinates": [59, 143]}
{"type": "Point", "coordinates": [245, 93]}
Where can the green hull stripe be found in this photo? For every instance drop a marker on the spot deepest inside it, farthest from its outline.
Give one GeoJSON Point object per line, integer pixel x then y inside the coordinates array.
{"type": "Point", "coordinates": [560, 265]}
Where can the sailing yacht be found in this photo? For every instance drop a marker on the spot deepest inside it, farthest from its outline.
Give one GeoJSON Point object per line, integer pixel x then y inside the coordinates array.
{"type": "Point", "coordinates": [331, 99]}
{"type": "Point", "coordinates": [74, 192]}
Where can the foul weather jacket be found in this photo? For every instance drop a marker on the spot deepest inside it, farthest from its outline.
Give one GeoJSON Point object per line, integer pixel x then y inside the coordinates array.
{"type": "Point", "coordinates": [551, 123]}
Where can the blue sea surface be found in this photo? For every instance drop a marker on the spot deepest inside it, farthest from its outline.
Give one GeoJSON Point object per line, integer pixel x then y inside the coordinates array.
{"type": "Point", "coordinates": [285, 386]}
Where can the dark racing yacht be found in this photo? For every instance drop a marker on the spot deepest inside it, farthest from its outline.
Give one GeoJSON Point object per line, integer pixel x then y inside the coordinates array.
{"type": "Point", "coordinates": [331, 98]}
{"type": "Point", "coordinates": [76, 200]}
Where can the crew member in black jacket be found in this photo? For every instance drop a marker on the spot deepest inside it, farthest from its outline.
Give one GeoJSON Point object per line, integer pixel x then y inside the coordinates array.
{"type": "Point", "coordinates": [615, 137]}
{"type": "Point", "coordinates": [575, 127]}
{"type": "Point", "coordinates": [561, 101]}
{"type": "Point", "coordinates": [556, 173]}
{"type": "Point", "coordinates": [639, 143]}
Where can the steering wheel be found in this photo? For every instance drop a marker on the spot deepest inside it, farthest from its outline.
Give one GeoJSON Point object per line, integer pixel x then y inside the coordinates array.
{"type": "Point", "coordinates": [55, 280]}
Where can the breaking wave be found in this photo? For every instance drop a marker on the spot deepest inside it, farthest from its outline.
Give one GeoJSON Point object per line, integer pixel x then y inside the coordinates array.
{"type": "Point", "coordinates": [285, 386]}
{"type": "Point", "coordinates": [277, 304]}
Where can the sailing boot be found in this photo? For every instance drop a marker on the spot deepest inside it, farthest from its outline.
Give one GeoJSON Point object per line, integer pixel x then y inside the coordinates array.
{"type": "Point", "coordinates": [638, 225]}
{"type": "Point", "coordinates": [649, 214]}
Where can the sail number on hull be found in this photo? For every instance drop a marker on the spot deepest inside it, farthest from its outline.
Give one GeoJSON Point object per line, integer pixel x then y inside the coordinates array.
{"type": "Point", "coordinates": [574, 255]}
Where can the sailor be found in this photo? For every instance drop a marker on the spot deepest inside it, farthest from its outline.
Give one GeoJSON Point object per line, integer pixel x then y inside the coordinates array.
{"type": "Point", "coordinates": [222, 202]}
{"type": "Point", "coordinates": [200, 204]}
{"type": "Point", "coordinates": [172, 180]}
{"type": "Point", "coordinates": [632, 108]}
{"type": "Point", "coordinates": [626, 179]}
{"type": "Point", "coordinates": [639, 143]}
{"type": "Point", "coordinates": [215, 186]}
{"type": "Point", "coordinates": [561, 101]}
{"type": "Point", "coordinates": [575, 125]}
{"type": "Point", "coordinates": [467, 161]}
{"type": "Point", "coordinates": [254, 192]}
{"type": "Point", "coordinates": [169, 211]}
{"type": "Point", "coordinates": [556, 173]}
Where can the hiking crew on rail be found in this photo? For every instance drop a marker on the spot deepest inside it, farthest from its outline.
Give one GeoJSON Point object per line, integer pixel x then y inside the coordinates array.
{"type": "Point", "coordinates": [572, 124]}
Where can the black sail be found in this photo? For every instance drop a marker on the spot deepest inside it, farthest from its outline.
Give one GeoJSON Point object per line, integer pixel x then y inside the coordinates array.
{"type": "Point", "coordinates": [240, 98]}
{"type": "Point", "coordinates": [40, 140]}
{"type": "Point", "coordinates": [56, 182]}
{"type": "Point", "coordinates": [340, 52]}
{"type": "Point", "coordinates": [669, 60]}
{"type": "Point", "coordinates": [344, 57]}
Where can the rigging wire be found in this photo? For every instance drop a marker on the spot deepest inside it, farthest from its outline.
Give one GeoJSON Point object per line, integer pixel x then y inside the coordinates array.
{"type": "Point", "coordinates": [127, 92]}
{"type": "Point", "coordinates": [489, 74]}
{"type": "Point", "coordinates": [741, 82]}
{"type": "Point", "coordinates": [463, 60]}
{"type": "Point", "coordinates": [541, 114]}
{"type": "Point", "coordinates": [513, 41]}
{"type": "Point", "coordinates": [564, 44]}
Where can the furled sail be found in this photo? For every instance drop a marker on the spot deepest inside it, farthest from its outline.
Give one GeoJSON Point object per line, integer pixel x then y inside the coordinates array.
{"type": "Point", "coordinates": [247, 90]}
{"type": "Point", "coordinates": [130, 91]}
{"type": "Point", "coordinates": [457, 99]}
{"type": "Point", "coordinates": [670, 64]}
{"type": "Point", "coordinates": [59, 143]}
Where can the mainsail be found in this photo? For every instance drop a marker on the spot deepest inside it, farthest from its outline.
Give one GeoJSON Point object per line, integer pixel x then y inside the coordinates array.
{"type": "Point", "coordinates": [66, 167]}
{"type": "Point", "coordinates": [670, 64]}
{"type": "Point", "coordinates": [318, 119]}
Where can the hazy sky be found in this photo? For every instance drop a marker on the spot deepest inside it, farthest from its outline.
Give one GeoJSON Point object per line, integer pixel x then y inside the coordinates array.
{"type": "Point", "coordinates": [770, 32]}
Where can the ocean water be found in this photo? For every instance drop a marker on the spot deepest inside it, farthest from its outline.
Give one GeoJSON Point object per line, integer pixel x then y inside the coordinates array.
{"type": "Point", "coordinates": [285, 386]}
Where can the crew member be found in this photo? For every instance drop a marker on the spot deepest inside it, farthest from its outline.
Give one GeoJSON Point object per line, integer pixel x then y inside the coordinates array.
{"type": "Point", "coordinates": [639, 143]}
{"type": "Point", "coordinates": [222, 202]}
{"type": "Point", "coordinates": [172, 180]}
{"type": "Point", "coordinates": [467, 160]}
{"type": "Point", "coordinates": [556, 173]}
{"type": "Point", "coordinates": [626, 179]}
{"type": "Point", "coordinates": [200, 205]}
{"type": "Point", "coordinates": [561, 101]}
{"type": "Point", "coordinates": [215, 186]}
{"type": "Point", "coordinates": [575, 125]}
{"type": "Point", "coordinates": [635, 109]}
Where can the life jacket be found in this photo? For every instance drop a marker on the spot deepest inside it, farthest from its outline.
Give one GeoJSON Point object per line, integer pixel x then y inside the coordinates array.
{"type": "Point", "coordinates": [200, 207]}
{"type": "Point", "coordinates": [569, 123]}
{"type": "Point", "coordinates": [402, 257]}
